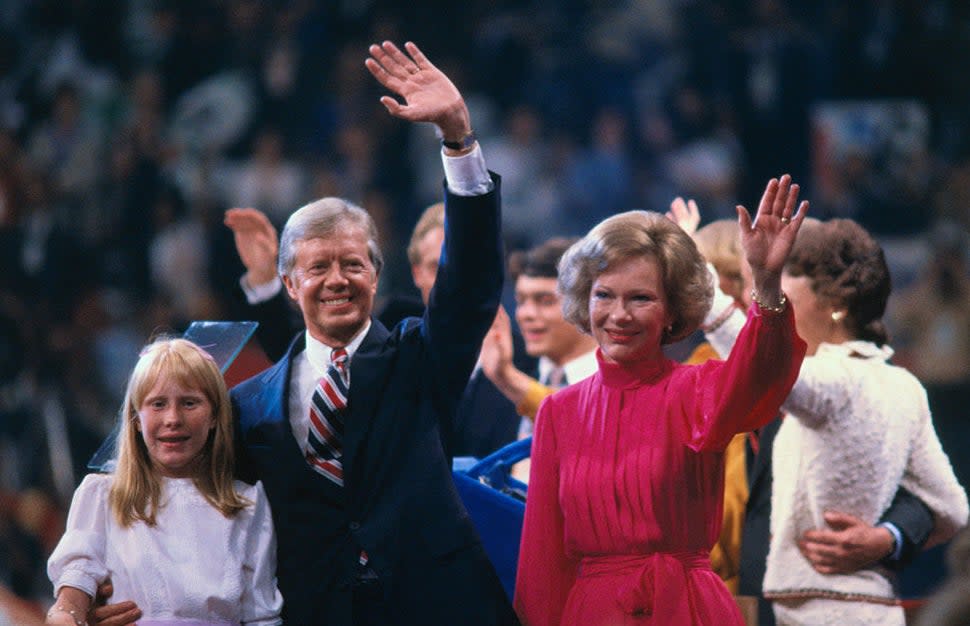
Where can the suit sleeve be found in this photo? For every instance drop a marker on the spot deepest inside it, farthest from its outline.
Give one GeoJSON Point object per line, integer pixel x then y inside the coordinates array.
{"type": "Point", "coordinates": [534, 395]}
{"type": "Point", "coordinates": [745, 391]}
{"type": "Point", "coordinates": [914, 521]}
{"type": "Point", "coordinates": [466, 293]}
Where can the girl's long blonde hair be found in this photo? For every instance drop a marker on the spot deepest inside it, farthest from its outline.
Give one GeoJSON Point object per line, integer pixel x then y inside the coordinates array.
{"type": "Point", "coordinates": [136, 489]}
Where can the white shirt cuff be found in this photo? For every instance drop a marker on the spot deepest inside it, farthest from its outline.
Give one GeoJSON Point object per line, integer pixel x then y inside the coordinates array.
{"type": "Point", "coordinates": [261, 293]}
{"type": "Point", "coordinates": [898, 540]}
{"type": "Point", "coordinates": [466, 174]}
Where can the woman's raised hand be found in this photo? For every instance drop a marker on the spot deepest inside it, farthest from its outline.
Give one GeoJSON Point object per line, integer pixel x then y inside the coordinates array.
{"type": "Point", "coordinates": [768, 238]}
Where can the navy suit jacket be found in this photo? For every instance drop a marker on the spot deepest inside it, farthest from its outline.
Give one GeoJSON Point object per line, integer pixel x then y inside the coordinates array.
{"type": "Point", "coordinates": [399, 503]}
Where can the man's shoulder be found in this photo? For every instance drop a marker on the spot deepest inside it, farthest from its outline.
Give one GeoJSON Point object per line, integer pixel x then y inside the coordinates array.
{"type": "Point", "coordinates": [258, 383]}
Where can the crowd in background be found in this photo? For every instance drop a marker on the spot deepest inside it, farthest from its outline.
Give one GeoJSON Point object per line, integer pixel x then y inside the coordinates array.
{"type": "Point", "coordinates": [128, 127]}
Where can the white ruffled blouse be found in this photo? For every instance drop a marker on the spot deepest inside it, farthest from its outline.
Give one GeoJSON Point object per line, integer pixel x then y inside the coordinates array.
{"type": "Point", "coordinates": [195, 565]}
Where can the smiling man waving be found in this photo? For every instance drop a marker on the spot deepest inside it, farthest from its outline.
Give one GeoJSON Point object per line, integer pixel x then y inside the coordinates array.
{"type": "Point", "coordinates": [370, 527]}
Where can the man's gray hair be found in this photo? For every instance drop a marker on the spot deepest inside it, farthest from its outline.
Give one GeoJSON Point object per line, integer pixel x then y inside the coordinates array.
{"type": "Point", "coordinates": [321, 219]}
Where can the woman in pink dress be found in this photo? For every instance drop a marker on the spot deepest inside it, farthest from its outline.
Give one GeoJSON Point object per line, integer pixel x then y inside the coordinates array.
{"type": "Point", "coordinates": [625, 496]}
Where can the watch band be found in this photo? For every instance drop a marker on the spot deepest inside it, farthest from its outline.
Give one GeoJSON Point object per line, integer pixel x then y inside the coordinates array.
{"type": "Point", "coordinates": [463, 144]}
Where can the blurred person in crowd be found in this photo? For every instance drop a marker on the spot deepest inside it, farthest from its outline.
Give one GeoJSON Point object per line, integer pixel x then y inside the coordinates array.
{"type": "Point", "coordinates": [627, 466]}
{"type": "Point", "coordinates": [340, 500]}
{"type": "Point", "coordinates": [15, 611]}
{"type": "Point", "coordinates": [600, 178]}
{"type": "Point", "coordinates": [841, 455]}
{"type": "Point", "coordinates": [933, 315]}
{"type": "Point", "coordinates": [170, 527]}
{"type": "Point", "coordinates": [144, 119]}
{"type": "Point", "coordinates": [530, 195]}
{"type": "Point", "coordinates": [566, 354]}
{"type": "Point", "coordinates": [178, 254]}
{"type": "Point", "coordinates": [266, 179]}
{"type": "Point", "coordinates": [68, 150]}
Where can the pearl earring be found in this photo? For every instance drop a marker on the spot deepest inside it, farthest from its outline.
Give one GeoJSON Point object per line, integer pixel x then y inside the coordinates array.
{"type": "Point", "coordinates": [837, 316]}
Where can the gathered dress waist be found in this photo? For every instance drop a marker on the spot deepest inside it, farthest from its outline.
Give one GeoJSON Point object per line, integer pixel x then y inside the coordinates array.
{"type": "Point", "coordinates": [642, 576]}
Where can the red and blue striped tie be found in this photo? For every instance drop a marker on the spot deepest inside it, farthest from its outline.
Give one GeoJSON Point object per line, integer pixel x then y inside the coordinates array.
{"type": "Point", "coordinates": [325, 439]}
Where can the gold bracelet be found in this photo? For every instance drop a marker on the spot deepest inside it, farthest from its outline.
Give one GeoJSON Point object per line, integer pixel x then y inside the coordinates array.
{"type": "Point", "coordinates": [767, 308]}
{"type": "Point", "coordinates": [71, 612]}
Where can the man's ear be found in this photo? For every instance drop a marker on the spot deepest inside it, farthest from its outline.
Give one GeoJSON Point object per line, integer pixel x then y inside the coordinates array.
{"type": "Point", "coordinates": [290, 287]}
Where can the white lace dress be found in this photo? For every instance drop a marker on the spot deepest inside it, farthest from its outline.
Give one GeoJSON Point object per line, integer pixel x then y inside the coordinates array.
{"type": "Point", "coordinates": [194, 567]}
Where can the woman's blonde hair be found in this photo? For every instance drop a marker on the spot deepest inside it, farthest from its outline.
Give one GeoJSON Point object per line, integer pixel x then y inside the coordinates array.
{"type": "Point", "coordinates": [136, 489]}
{"type": "Point", "coordinates": [686, 281]}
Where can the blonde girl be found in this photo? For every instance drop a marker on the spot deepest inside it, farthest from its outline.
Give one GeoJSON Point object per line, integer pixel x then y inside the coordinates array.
{"type": "Point", "coordinates": [170, 527]}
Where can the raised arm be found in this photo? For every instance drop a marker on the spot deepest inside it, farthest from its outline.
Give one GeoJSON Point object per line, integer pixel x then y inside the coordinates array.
{"type": "Point", "coordinates": [685, 214]}
{"type": "Point", "coordinates": [256, 243]}
{"type": "Point", "coordinates": [262, 297]}
{"type": "Point", "coordinates": [524, 391]}
{"type": "Point", "coordinates": [468, 284]}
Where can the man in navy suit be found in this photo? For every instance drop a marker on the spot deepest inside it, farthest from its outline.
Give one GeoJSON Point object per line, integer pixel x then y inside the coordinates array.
{"type": "Point", "coordinates": [392, 544]}
{"type": "Point", "coordinates": [485, 419]}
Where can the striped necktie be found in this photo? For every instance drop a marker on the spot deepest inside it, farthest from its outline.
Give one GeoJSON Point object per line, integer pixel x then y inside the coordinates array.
{"type": "Point", "coordinates": [556, 377]}
{"type": "Point", "coordinates": [325, 438]}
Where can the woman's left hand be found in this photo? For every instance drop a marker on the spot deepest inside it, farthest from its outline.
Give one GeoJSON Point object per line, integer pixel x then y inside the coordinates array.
{"type": "Point", "coordinates": [768, 238]}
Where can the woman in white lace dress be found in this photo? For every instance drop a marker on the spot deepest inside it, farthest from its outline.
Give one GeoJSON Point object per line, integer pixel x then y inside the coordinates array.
{"type": "Point", "coordinates": [856, 428]}
{"type": "Point", "coordinates": [171, 528]}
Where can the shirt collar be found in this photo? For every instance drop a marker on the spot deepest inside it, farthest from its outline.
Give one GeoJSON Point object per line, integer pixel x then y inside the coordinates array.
{"type": "Point", "coordinates": [576, 369]}
{"type": "Point", "coordinates": [318, 353]}
{"type": "Point", "coordinates": [857, 348]}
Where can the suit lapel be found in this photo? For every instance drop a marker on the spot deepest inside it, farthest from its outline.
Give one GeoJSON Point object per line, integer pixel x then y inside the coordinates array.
{"type": "Point", "coordinates": [275, 416]}
{"type": "Point", "coordinates": [366, 372]}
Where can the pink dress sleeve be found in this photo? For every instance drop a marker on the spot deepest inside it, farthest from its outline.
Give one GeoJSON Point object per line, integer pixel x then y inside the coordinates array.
{"type": "Point", "coordinates": [545, 573]}
{"type": "Point", "coordinates": [745, 391]}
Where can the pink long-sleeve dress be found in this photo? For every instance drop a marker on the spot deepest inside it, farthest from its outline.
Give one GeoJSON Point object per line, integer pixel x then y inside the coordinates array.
{"type": "Point", "coordinates": [626, 487]}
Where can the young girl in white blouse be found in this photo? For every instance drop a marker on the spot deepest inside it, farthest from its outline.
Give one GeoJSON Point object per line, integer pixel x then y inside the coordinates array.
{"type": "Point", "coordinates": [171, 528]}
